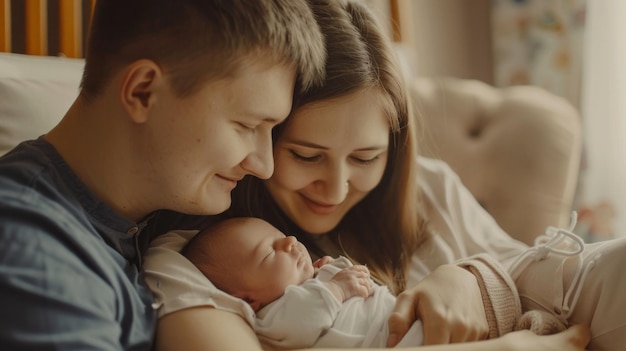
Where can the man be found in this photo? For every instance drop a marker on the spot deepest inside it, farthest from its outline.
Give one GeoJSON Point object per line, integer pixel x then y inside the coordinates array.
{"type": "Point", "coordinates": [177, 103]}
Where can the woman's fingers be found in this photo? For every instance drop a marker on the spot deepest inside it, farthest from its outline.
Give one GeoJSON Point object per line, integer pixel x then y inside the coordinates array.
{"type": "Point", "coordinates": [401, 318]}
{"type": "Point", "coordinates": [449, 304]}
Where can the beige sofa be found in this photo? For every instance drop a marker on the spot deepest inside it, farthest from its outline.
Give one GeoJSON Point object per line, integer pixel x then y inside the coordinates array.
{"type": "Point", "coordinates": [516, 149]}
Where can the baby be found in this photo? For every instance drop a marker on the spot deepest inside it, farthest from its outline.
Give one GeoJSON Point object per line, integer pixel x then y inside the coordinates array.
{"type": "Point", "coordinates": [330, 302]}
{"type": "Point", "coordinates": [298, 303]}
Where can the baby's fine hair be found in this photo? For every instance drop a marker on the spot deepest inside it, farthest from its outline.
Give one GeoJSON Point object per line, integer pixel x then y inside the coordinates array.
{"type": "Point", "coordinates": [206, 250]}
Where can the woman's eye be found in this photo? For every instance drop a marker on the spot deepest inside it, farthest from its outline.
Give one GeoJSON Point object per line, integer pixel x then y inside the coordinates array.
{"type": "Point", "coordinates": [305, 158]}
{"type": "Point", "coordinates": [364, 161]}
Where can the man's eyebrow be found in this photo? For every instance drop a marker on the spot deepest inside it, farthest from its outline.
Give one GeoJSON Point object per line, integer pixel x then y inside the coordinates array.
{"type": "Point", "coordinates": [271, 120]}
{"type": "Point", "coordinates": [266, 118]}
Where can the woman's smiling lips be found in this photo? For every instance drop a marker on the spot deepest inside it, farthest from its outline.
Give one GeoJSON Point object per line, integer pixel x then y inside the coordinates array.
{"type": "Point", "coordinates": [318, 208]}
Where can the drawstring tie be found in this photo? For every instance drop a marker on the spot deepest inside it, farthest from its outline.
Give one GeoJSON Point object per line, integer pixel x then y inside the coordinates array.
{"type": "Point", "coordinates": [550, 243]}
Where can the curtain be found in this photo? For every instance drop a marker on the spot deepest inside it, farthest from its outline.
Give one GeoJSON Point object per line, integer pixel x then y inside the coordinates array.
{"type": "Point", "coordinates": [603, 108]}
{"type": "Point", "coordinates": [539, 42]}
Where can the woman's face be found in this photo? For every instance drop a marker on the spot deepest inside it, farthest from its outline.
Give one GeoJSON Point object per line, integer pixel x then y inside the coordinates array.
{"type": "Point", "coordinates": [329, 157]}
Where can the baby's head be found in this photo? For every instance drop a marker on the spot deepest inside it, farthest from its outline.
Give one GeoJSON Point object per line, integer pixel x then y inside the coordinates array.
{"type": "Point", "coordinates": [249, 258]}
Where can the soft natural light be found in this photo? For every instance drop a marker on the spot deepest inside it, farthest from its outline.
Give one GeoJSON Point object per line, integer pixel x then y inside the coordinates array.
{"type": "Point", "coordinates": [604, 107]}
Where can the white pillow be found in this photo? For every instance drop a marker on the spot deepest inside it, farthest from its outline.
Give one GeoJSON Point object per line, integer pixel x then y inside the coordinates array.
{"type": "Point", "coordinates": [35, 93]}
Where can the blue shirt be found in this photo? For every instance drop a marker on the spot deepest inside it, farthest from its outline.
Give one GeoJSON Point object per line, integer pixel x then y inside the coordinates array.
{"type": "Point", "coordinates": [68, 273]}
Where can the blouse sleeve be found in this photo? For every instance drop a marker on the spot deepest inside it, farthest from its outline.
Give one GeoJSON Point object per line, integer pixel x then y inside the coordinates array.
{"type": "Point", "coordinates": [177, 284]}
{"type": "Point", "coordinates": [459, 227]}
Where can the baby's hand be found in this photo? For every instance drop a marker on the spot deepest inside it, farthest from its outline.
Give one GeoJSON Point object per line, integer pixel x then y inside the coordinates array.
{"type": "Point", "coordinates": [350, 282]}
{"type": "Point", "coordinates": [322, 261]}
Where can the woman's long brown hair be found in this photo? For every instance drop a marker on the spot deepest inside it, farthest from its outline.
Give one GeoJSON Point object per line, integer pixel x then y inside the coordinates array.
{"type": "Point", "coordinates": [384, 229]}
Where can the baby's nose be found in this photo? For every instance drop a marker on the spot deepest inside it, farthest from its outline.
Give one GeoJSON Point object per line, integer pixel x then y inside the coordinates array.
{"type": "Point", "coordinates": [287, 244]}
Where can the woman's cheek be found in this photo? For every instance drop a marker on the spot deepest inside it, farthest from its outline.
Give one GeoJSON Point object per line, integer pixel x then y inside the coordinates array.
{"type": "Point", "coordinates": [292, 176]}
{"type": "Point", "coordinates": [367, 179]}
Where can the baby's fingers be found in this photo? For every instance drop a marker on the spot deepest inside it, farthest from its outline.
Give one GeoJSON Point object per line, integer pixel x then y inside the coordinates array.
{"type": "Point", "coordinates": [360, 268]}
{"type": "Point", "coordinates": [322, 261]}
{"type": "Point", "coordinates": [355, 281]}
{"type": "Point", "coordinates": [362, 289]}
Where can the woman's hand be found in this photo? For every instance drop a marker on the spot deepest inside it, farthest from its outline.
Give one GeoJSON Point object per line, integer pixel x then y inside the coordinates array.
{"type": "Point", "coordinates": [449, 304]}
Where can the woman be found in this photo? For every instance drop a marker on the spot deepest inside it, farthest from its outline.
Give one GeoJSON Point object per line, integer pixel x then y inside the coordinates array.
{"type": "Point", "coordinates": [344, 183]}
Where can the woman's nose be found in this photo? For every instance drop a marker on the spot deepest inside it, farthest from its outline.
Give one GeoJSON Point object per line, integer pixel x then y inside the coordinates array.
{"type": "Point", "coordinates": [331, 185]}
{"type": "Point", "coordinates": [335, 190]}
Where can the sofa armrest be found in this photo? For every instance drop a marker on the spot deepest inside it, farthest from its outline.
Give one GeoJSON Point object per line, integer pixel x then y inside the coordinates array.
{"type": "Point", "coordinates": [516, 149]}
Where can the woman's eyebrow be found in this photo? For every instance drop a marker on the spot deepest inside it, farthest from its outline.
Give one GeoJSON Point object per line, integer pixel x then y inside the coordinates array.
{"type": "Point", "coordinates": [306, 144]}
{"type": "Point", "coordinates": [373, 148]}
{"type": "Point", "coordinates": [316, 146]}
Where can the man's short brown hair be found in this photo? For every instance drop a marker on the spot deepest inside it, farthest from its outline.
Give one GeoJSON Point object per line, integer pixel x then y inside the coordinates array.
{"type": "Point", "coordinates": [197, 40]}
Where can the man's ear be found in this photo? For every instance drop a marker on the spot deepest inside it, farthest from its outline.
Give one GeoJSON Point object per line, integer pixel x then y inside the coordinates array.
{"type": "Point", "coordinates": [138, 89]}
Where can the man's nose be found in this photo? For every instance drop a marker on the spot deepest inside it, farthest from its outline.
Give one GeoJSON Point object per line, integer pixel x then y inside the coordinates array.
{"type": "Point", "coordinates": [260, 162]}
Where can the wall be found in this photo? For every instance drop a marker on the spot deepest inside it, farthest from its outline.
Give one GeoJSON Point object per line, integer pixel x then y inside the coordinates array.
{"type": "Point", "coordinates": [449, 37]}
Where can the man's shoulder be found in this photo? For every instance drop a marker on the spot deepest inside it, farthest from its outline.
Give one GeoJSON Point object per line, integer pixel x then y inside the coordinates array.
{"type": "Point", "coordinates": [30, 190]}
{"type": "Point", "coordinates": [35, 207]}
{"type": "Point", "coordinates": [30, 219]}
{"type": "Point", "coordinates": [24, 167]}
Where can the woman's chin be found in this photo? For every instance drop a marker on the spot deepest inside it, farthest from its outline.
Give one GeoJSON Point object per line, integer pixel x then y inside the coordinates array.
{"type": "Point", "coordinates": [315, 227]}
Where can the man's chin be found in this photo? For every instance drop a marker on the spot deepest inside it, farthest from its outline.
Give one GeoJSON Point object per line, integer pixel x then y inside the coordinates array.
{"type": "Point", "coordinates": [214, 210]}
{"type": "Point", "coordinates": [209, 209]}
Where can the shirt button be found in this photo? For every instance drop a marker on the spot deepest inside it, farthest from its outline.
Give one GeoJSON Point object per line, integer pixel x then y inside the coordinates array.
{"type": "Point", "coordinates": [132, 231]}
